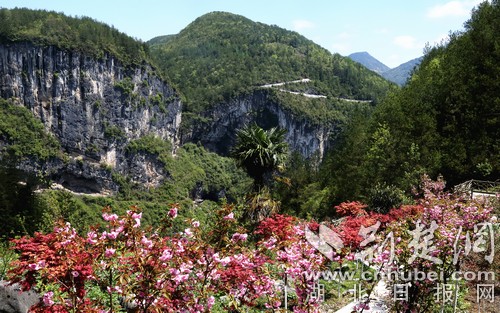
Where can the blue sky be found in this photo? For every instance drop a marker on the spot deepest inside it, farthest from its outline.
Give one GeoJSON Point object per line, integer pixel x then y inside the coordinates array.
{"type": "Point", "coordinates": [393, 31]}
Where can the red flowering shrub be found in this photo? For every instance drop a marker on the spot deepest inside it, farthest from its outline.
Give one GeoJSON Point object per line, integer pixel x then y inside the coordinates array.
{"type": "Point", "coordinates": [183, 271]}
{"type": "Point", "coordinates": [353, 208]}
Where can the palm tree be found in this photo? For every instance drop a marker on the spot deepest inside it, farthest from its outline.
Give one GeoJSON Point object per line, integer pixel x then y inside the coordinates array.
{"type": "Point", "coordinates": [260, 152]}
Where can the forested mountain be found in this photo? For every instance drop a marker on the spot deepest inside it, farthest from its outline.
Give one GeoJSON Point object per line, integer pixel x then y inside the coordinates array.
{"type": "Point", "coordinates": [402, 73]}
{"type": "Point", "coordinates": [261, 121]}
{"type": "Point", "coordinates": [88, 121]}
{"type": "Point", "coordinates": [78, 34]}
{"type": "Point", "coordinates": [450, 110]}
{"type": "Point", "coordinates": [112, 123]}
{"type": "Point", "coordinates": [222, 55]}
{"type": "Point", "coordinates": [369, 62]}
{"type": "Point", "coordinates": [446, 121]}
{"type": "Point", "coordinates": [398, 75]}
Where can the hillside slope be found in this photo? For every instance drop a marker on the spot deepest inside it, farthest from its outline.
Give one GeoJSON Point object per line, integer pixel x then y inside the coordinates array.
{"type": "Point", "coordinates": [221, 55]}
{"type": "Point", "coordinates": [224, 65]}
{"type": "Point", "coordinates": [369, 62]}
{"type": "Point", "coordinates": [402, 73]}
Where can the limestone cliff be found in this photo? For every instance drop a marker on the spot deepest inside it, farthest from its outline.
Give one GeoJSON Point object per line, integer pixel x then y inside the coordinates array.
{"type": "Point", "coordinates": [95, 107]}
{"type": "Point", "coordinates": [216, 129]}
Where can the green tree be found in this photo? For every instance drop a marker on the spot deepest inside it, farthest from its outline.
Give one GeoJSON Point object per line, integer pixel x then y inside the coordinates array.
{"type": "Point", "coordinates": [260, 152]}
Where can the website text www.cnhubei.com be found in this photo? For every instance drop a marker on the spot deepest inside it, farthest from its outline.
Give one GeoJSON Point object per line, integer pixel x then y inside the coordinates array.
{"type": "Point", "coordinates": [396, 276]}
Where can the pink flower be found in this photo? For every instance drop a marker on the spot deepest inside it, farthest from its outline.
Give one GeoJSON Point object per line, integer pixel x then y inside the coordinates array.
{"type": "Point", "coordinates": [75, 274]}
{"type": "Point", "coordinates": [230, 216]}
{"type": "Point", "coordinates": [137, 218]}
{"type": "Point", "coordinates": [269, 244]}
{"type": "Point", "coordinates": [239, 237]}
{"type": "Point", "coordinates": [47, 298]}
{"type": "Point", "coordinates": [165, 256]}
{"type": "Point", "coordinates": [109, 252]}
{"type": "Point", "coordinates": [91, 237]}
{"type": "Point", "coordinates": [113, 235]}
{"type": "Point", "coordinates": [181, 278]}
{"type": "Point", "coordinates": [172, 213]}
{"type": "Point", "coordinates": [148, 243]}
{"type": "Point", "coordinates": [37, 266]}
{"type": "Point", "coordinates": [109, 217]}
{"type": "Point", "coordinates": [116, 289]}
{"type": "Point", "coordinates": [188, 232]}
{"type": "Point", "coordinates": [195, 224]}
{"type": "Point", "coordinates": [225, 261]}
{"type": "Point", "coordinates": [210, 302]}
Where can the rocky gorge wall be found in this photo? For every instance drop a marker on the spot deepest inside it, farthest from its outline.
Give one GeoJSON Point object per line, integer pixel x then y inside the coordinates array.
{"type": "Point", "coordinates": [94, 107]}
{"type": "Point", "coordinates": [217, 130]}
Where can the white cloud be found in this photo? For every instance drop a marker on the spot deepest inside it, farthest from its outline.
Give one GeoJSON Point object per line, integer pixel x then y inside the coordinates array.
{"type": "Point", "coordinates": [299, 25]}
{"type": "Point", "coordinates": [453, 8]}
{"type": "Point", "coordinates": [406, 42]}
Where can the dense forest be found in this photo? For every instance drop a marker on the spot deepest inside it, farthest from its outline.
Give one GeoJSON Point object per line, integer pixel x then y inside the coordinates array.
{"type": "Point", "coordinates": [445, 121]}
{"type": "Point", "coordinates": [218, 232]}
{"type": "Point", "coordinates": [222, 55]}
{"type": "Point", "coordinates": [79, 34]}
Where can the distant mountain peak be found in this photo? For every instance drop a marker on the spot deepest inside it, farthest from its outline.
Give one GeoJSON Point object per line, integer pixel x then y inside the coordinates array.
{"type": "Point", "coordinates": [398, 75]}
{"type": "Point", "coordinates": [401, 73]}
{"type": "Point", "coordinates": [369, 62]}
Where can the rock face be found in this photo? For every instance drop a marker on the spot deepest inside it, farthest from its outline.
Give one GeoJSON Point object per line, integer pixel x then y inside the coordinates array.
{"type": "Point", "coordinates": [94, 107]}
{"type": "Point", "coordinates": [225, 119]}
{"type": "Point", "coordinates": [13, 300]}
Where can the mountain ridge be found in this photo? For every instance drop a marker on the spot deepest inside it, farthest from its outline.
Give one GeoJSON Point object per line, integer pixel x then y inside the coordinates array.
{"type": "Point", "coordinates": [402, 72]}
{"type": "Point", "coordinates": [222, 58]}
{"type": "Point", "coordinates": [398, 75]}
{"type": "Point", "coordinates": [369, 62]}
{"type": "Point", "coordinates": [220, 55]}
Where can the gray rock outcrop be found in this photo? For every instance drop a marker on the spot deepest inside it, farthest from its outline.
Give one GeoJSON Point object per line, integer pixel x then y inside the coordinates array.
{"type": "Point", "coordinates": [226, 118]}
{"type": "Point", "coordinates": [94, 107]}
{"type": "Point", "coordinates": [13, 300]}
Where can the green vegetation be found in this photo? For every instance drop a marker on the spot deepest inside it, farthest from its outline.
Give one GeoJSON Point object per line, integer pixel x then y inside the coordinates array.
{"type": "Point", "coordinates": [113, 132]}
{"type": "Point", "coordinates": [444, 121]}
{"type": "Point", "coordinates": [320, 111]}
{"type": "Point", "coordinates": [151, 144]}
{"type": "Point", "coordinates": [220, 56]}
{"type": "Point", "coordinates": [17, 203]}
{"type": "Point", "coordinates": [7, 255]}
{"type": "Point", "coordinates": [260, 152]}
{"type": "Point", "coordinates": [159, 41]}
{"type": "Point", "coordinates": [126, 86]}
{"type": "Point", "coordinates": [24, 135]}
{"type": "Point", "coordinates": [193, 172]}
{"type": "Point", "coordinates": [80, 34]}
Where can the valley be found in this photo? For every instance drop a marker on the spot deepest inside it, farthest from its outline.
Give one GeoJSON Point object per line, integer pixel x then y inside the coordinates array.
{"type": "Point", "coordinates": [216, 169]}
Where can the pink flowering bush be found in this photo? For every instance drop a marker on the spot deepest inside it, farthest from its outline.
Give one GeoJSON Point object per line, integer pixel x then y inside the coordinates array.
{"type": "Point", "coordinates": [156, 270]}
{"type": "Point", "coordinates": [449, 229]}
